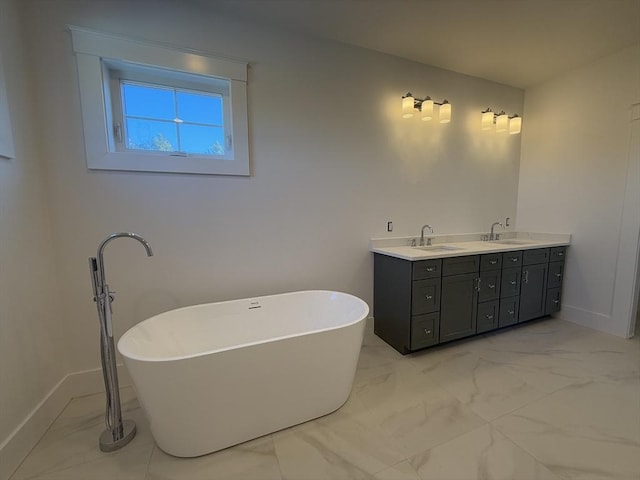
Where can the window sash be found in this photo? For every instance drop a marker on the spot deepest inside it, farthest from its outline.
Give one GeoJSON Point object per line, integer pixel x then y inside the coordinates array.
{"type": "Point", "coordinates": [98, 53]}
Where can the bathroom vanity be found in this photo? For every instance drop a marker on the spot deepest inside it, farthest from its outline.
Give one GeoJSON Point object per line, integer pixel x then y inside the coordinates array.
{"type": "Point", "coordinates": [424, 296]}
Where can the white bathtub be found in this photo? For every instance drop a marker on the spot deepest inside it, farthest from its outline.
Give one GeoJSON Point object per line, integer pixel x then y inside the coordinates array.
{"type": "Point", "coordinates": [215, 375]}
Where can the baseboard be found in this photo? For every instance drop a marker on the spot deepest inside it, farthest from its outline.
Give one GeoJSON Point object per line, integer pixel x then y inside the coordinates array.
{"type": "Point", "coordinates": [586, 318]}
{"type": "Point", "coordinates": [21, 441]}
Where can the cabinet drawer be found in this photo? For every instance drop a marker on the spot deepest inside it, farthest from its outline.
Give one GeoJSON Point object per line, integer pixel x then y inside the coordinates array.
{"type": "Point", "coordinates": [508, 311]}
{"type": "Point", "coordinates": [457, 265]}
{"type": "Point", "coordinates": [555, 275]}
{"type": "Point", "coordinates": [510, 282]}
{"type": "Point", "coordinates": [425, 330]}
{"type": "Point", "coordinates": [427, 269]}
{"type": "Point", "coordinates": [533, 257]}
{"type": "Point", "coordinates": [489, 287]}
{"type": "Point", "coordinates": [512, 259]}
{"type": "Point", "coordinates": [557, 254]}
{"type": "Point", "coordinates": [491, 261]}
{"type": "Point", "coordinates": [487, 316]}
{"type": "Point", "coordinates": [553, 301]}
{"type": "Point", "coordinates": [425, 296]}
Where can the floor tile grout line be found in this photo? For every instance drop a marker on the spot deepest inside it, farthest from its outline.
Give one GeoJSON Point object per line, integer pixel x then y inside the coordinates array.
{"type": "Point", "coordinates": [531, 454]}
{"type": "Point", "coordinates": [275, 453]}
{"type": "Point", "coordinates": [40, 439]}
{"type": "Point", "coordinates": [147, 473]}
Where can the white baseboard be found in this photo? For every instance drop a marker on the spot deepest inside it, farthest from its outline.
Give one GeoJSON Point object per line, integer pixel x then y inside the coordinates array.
{"type": "Point", "coordinates": [586, 318]}
{"type": "Point", "coordinates": [21, 441]}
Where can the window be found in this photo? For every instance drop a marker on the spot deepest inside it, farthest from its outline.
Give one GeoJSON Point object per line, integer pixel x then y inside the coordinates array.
{"type": "Point", "coordinates": [152, 108]}
{"type": "Point", "coordinates": [161, 118]}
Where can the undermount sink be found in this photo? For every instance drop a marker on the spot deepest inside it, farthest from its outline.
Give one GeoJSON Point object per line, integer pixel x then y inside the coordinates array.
{"type": "Point", "coordinates": [439, 248]}
{"type": "Point", "coordinates": [512, 242]}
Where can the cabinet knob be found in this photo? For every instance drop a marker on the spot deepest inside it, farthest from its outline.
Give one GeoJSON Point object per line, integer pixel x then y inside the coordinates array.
{"type": "Point", "coordinates": [491, 285]}
{"type": "Point", "coordinates": [428, 297]}
{"type": "Point", "coordinates": [489, 317]}
{"type": "Point", "coordinates": [558, 275]}
{"type": "Point", "coordinates": [513, 282]}
{"type": "Point", "coordinates": [556, 302]}
{"type": "Point", "coordinates": [511, 312]}
{"type": "Point", "coordinates": [430, 269]}
{"type": "Point", "coordinates": [561, 254]}
{"type": "Point", "coordinates": [493, 262]}
{"type": "Point", "coordinates": [525, 278]}
{"type": "Point", "coordinates": [514, 259]}
{"type": "Point", "coordinates": [428, 332]}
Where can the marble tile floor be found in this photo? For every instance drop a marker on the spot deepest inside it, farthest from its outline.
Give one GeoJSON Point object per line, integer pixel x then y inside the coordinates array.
{"type": "Point", "coordinates": [546, 400]}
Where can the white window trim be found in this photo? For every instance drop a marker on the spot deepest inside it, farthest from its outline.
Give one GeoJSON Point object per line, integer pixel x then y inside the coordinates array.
{"type": "Point", "coordinates": [92, 47]}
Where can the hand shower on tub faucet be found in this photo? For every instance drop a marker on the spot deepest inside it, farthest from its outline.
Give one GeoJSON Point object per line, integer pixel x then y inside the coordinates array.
{"type": "Point", "coordinates": [117, 433]}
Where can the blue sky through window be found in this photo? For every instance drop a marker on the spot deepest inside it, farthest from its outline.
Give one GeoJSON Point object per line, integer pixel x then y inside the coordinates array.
{"type": "Point", "coordinates": [166, 119]}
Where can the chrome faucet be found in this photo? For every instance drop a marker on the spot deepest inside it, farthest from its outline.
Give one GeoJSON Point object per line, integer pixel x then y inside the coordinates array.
{"type": "Point", "coordinates": [493, 236]}
{"type": "Point", "coordinates": [118, 432]}
{"type": "Point", "coordinates": [422, 235]}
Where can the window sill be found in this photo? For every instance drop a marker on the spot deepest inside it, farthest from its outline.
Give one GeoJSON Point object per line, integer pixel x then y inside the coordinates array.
{"type": "Point", "coordinates": [151, 162]}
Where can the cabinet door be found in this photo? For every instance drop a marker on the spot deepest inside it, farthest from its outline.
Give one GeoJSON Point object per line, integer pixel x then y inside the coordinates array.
{"type": "Point", "coordinates": [458, 306]}
{"type": "Point", "coordinates": [553, 301]}
{"type": "Point", "coordinates": [556, 270]}
{"type": "Point", "coordinates": [487, 316]}
{"type": "Point", "coordinates": [510, 283]}
{"type": "Point", "coordinates": [532, 292]}
{"type": "Point", "coordinates": [489, 287]}
{"type": "Point", "coordinates": [425, 296]}
{"type": "Point", "coordinates": [424, 330]}
{"type": "Point", "coordinates": [508, 311]}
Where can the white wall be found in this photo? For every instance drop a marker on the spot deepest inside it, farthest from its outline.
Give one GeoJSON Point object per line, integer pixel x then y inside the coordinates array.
{"type": "Point", "coordinates": [332, 162]}
{"type": "Point", "coordinates": [33, 333]}
{"type": "Point", "coordinates": [578, 174]}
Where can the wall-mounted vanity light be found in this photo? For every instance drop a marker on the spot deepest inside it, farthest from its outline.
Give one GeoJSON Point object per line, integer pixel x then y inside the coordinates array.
{"type": "Point", "coordinates": [502, 121]}
{"type": "Point", "coordinates": [425, 108]}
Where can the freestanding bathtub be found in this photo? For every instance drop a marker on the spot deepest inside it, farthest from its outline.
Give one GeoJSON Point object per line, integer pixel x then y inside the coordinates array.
{"type": "Point", "coordinates": [215, 375]}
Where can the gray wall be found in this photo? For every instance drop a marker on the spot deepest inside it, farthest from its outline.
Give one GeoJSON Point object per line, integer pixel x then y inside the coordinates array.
{"type": "Point", "coordinates": [580, 173]}
{"type": "Point", "coordinates": [33, 334]}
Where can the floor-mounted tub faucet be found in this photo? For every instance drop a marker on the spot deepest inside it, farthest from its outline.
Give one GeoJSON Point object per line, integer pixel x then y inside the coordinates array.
{"type": "Point", "coordinates": [117, 433]}
{"type": "Point", "coordinates": [493, 236]}
{"type": "Point", "coordinates": [422, 235]}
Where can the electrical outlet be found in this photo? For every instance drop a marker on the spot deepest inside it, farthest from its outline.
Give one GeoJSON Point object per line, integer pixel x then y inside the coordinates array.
{"type": "Point", "coordinates": [389, 226]}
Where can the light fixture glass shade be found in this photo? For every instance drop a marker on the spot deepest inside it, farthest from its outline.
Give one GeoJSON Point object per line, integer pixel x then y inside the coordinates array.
{"type": "Point", "coordinates": [502, 123]}
{"type": "Point", "coordinates": [445, 112]}
{"type": "Point", "coordinates": [487, 120]}
{"type": "Point", "coordinates": [407, 106]}
{"type": "Point", "coordinates": [515, 125]}
{"type": "Point", "coordinates": [427, 109]}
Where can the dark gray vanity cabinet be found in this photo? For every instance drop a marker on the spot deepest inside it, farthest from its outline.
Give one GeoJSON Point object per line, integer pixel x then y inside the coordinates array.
{"type": "Point", "coordinates": [555, 276]}
{"type": "Point", "coordinates": [510, 288]}
{"type": "Point", "coordinates": [489, 292]}
{"type": "Point", "coordinates": [418, 304]}
{"type": "Point", "coordinates": [533, 289]}
{"type": "Point", "coordinates": [458, 305]}
{"type": "Point", "coordinates": [406, 302]}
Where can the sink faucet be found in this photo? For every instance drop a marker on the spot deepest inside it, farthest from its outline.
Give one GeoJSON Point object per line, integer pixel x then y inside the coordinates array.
{"type": "Point", "coordinates": [422, 235]}
{"type": "Point", "coordinates": [492, 236]}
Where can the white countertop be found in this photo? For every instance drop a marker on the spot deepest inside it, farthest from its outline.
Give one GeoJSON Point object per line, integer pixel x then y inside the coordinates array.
{"type": "Point", "coordinates": [465, 244]}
